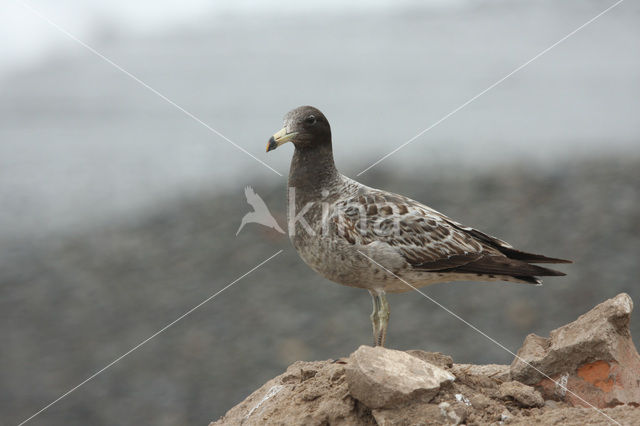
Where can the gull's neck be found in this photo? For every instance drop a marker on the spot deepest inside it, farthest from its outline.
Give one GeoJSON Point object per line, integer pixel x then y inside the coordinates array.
{"type": "Point", "coordinates": [313, 171]}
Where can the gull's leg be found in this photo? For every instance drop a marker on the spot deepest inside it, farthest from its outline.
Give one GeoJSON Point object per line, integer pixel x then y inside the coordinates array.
{"type": "Point", "coordinates": [379, 316]}
{"type": "Point", "coordinates": [375, 316]}
{"type": "Point", "coordinates": [383, 315]}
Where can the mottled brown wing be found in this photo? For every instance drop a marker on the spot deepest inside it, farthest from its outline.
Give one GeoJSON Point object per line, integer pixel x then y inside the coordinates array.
{"type": "Point", "coordinates": [421, 235]}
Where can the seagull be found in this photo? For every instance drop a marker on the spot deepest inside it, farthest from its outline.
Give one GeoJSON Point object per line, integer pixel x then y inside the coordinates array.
{"type": "Point", "coordinates": [261, 213]}
{"type": "Point", "coordinates": [376, 240]}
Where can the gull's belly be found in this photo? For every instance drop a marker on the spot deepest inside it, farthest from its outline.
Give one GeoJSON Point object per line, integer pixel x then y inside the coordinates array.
{"type": "Point", "coordinates": [335, 261]}
{"type": "Point", "coordinates": [351, 265]}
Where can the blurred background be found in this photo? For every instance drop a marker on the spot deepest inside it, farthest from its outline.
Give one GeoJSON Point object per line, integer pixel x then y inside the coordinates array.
{"type": "Point", "coordinates": [118, 212]}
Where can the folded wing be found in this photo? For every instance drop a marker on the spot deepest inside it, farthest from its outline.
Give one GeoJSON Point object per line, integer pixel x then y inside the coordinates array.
{"type": "Point", "coordinates": [431, 242]}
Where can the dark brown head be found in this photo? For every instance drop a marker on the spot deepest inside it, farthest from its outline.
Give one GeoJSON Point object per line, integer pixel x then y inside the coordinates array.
{"type": "Point", "coordinates": [305, 126]}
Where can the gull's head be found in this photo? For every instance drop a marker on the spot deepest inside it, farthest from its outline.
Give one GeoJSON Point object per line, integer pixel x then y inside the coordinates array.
{"type": "Point", "coordinates": [305, 126]}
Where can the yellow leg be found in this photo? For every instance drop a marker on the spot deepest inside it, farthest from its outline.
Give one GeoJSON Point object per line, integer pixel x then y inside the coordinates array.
{"type": "Point", "coordinates": [375, 318]}
{"type": "Point", "coordinates": [379, 317]}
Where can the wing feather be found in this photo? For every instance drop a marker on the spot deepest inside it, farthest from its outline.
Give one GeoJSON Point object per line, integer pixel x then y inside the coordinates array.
{"type": "Point", "coordinates": [430, 241]}
{"type": "Point", "coordinates": [424, 238]}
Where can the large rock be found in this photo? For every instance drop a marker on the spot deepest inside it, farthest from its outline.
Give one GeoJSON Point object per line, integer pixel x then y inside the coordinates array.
{"type": "Point", "coordinates": [591, 361]}
{"type": "Point", "coordinates": [384, 378]}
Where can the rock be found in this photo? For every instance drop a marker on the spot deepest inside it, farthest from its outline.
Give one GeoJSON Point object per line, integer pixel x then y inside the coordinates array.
{"type": "Point", "coordinates": [523, 395]}
{"type": "Point", "coordinates": [385, 378]}
{"type": "Point", "coordinates": [436, 358]}
{"type": "Point", "coordinates": [479, 401]}
{"type": "Point", "coordinates": [592, 360]}
{"type": "Point", "coordinates": [505, 417]}
{"type": "Point", "coordinates": [494, 371]}
{"type": "Point", "coordinates": [408, 415]}
{"type": "Point", "coordinates": [422, 414]}
{"type": "Point", "coordinates": [453, 414]}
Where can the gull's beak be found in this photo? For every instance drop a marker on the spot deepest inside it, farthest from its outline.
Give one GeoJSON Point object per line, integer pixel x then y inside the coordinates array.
{"type": "Point", "coordinates": [279, 138]}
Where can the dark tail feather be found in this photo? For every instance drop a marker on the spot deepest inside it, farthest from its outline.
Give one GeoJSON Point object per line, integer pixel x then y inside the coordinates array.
{"type": "Point", "coordinates": [498, 265]}
{"type": "Point", "coordinates": [508, 251]}
{"type": "Point", "coordinates": [528, 279]}
{"type": "Point", "coordinates": [547, 272]}
{"type": "Point", "coordinates": [529, 257]}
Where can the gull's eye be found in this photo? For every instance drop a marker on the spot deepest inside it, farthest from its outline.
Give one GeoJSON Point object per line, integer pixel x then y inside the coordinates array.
{"type": "Point", "coordinates": [310, 119]}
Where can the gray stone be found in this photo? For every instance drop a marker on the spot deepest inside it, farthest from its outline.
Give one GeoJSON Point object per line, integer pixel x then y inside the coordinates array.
{"type": "Point", "coordinates": [436, 358]}
{"type": "Point", "coordinates": [494, 371]}
{"type": "Point", "coordinates": [385, 378]}
{"type": "Point", "coordinates": [523, 395]}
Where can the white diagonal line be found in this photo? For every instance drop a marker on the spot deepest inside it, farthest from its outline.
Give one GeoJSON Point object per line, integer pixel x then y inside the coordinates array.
{"type": "Point", "coordinates": [491, 339]}
{"type": "Point", "coordinates": [133, 77]}
{"type": "Point", "coordinates": [148, 338]}
{"type": "Point", "coordinates": [492, 86]}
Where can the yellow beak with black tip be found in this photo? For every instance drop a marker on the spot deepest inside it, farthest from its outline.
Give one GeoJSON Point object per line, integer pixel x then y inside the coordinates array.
{"type": "Point", "coordinates": [280, 138]}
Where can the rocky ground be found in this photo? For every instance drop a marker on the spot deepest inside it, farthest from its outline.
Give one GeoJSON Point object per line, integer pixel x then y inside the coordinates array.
{"type": "Point", "coordinates": [585, 373]}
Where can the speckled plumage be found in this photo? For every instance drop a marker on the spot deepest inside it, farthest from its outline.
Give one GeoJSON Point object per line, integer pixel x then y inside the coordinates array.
{"type": "Point", "coordinates": [338, 226]}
